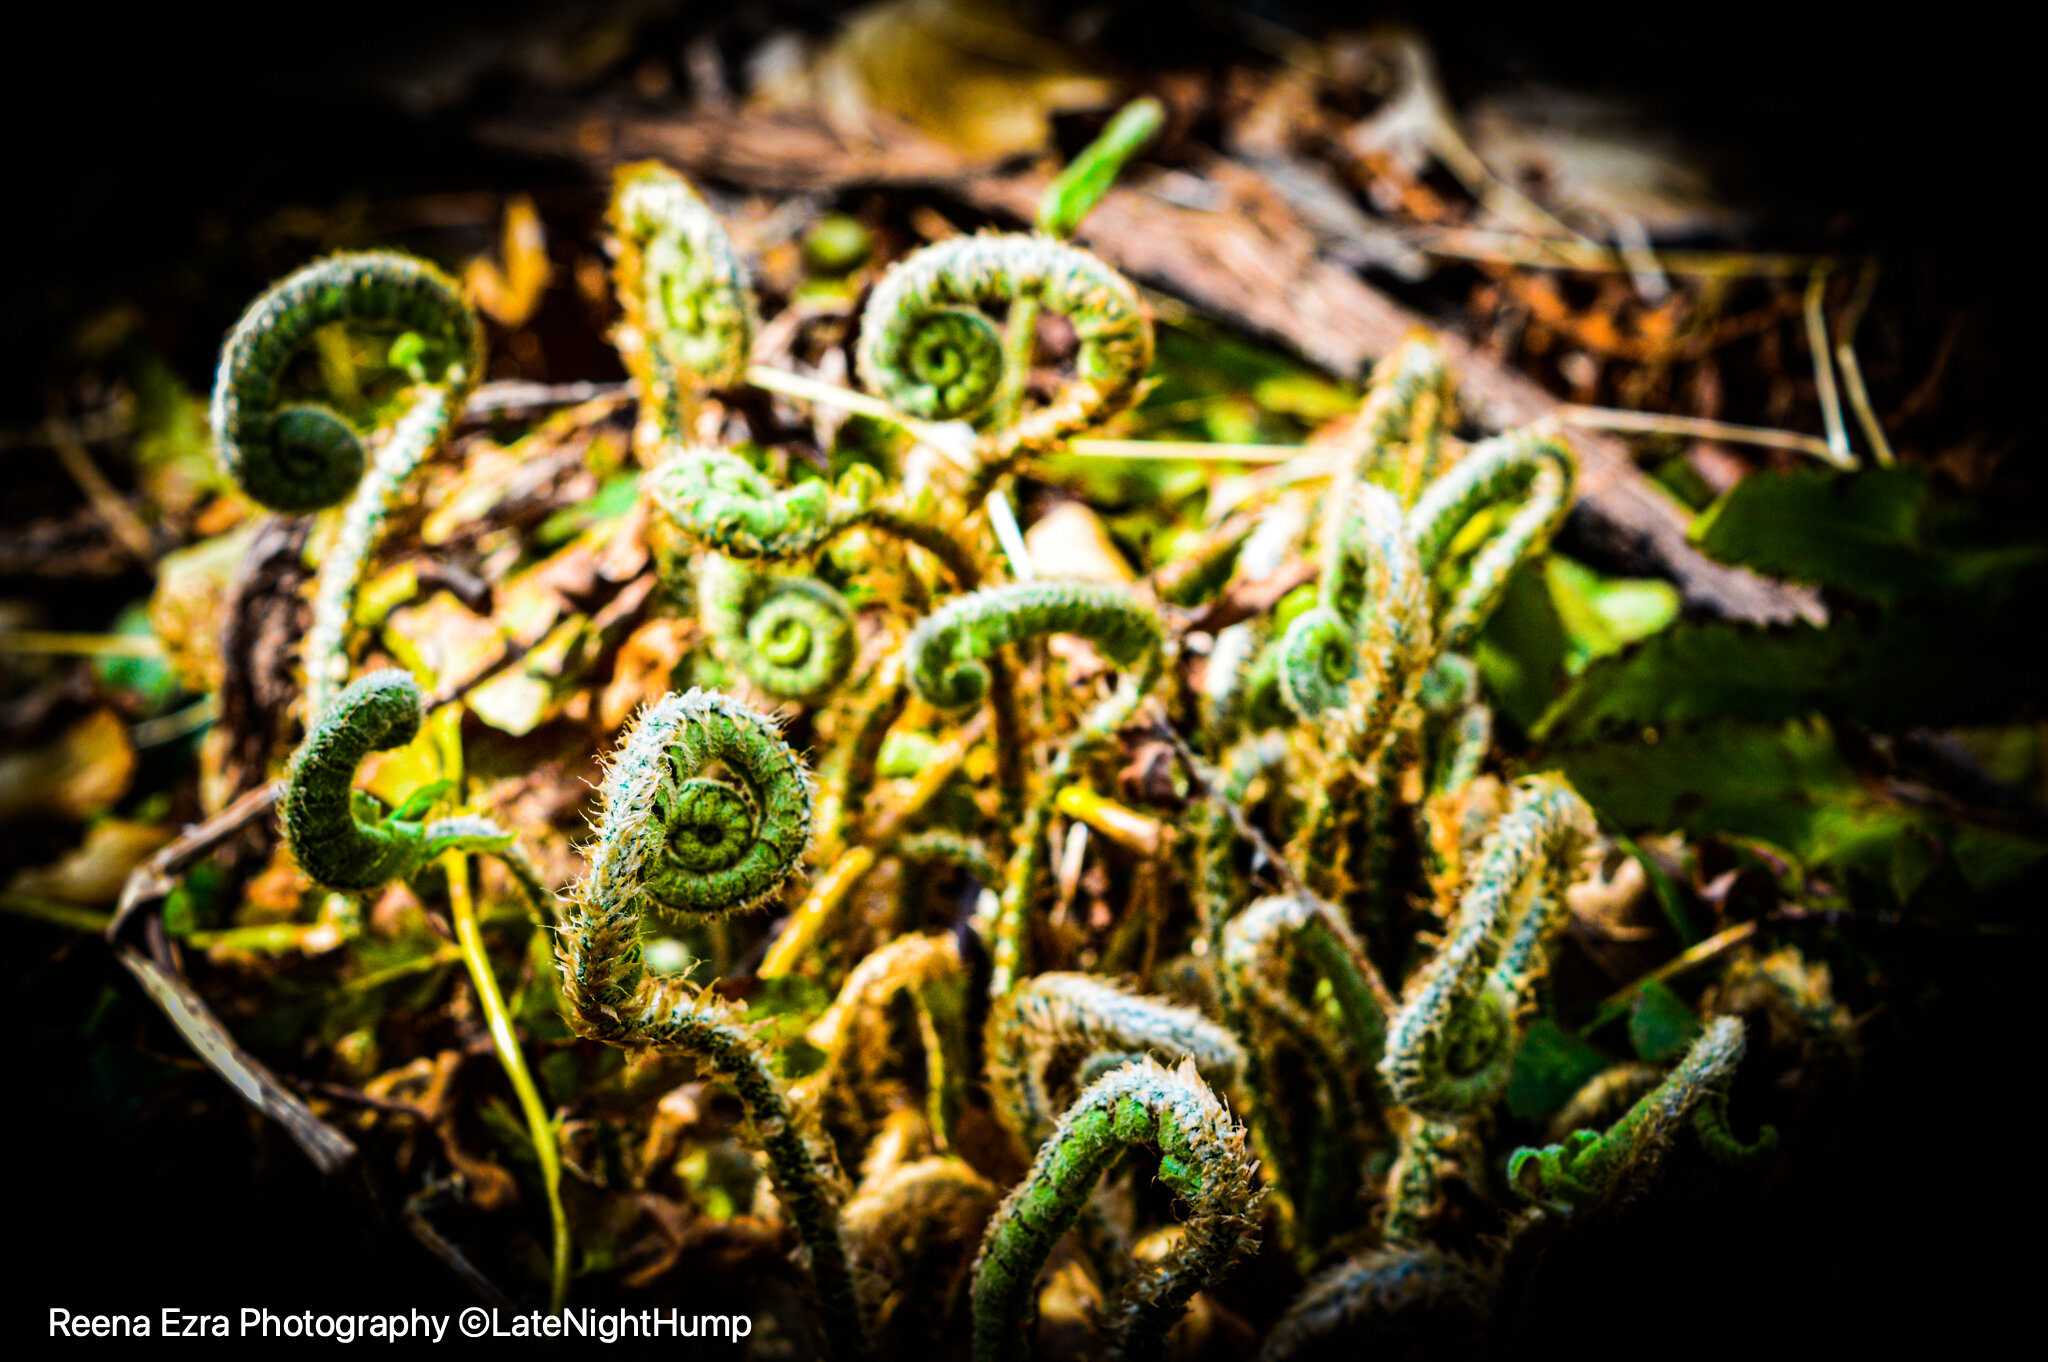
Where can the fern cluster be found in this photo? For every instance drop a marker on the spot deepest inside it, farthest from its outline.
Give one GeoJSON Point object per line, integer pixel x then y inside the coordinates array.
{"type": "Point", "coordinates": [1319, 1074]}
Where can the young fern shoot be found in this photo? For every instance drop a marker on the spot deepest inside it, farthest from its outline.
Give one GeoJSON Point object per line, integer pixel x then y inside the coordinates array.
{"type": "Point", "coordinates": [301, 457]}
{"type": "Point", "coordinates": [689, 317]}
{"type": "Point", "coordinates": [928, 347]}
{"type": "Point", "coordinates": [1202, 1157]}
{"type": "Point", "coordinates": [1049, 1015]}
{"type": "Point", "coordinates": [675, 842]}
{"type": "Point", "coordinates": [1451, 1045]}
{"type": "Point", "coordinates": [1528, 474]}
{"type": "Point", "coordinates": [793, 637]}
{"type": "Point", "coordinates": [1588, 1166]}
{"type": "Point", "coordinates": [948, 666]}
{"type": "Point", "coordinates": [853, 1034]}
{"type": "Point", "coordinates": [339, 835]}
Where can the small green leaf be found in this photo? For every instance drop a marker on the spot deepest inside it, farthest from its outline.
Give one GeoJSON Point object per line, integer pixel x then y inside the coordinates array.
{"type": "Point", "coordinates": [1074, 194]}
{"type": "Point", "coordinates": [409, 353]}
{"type": "Point", "coordinates": [1783, 784]}
{"type": "Point", "coordinates": [1884, 533]}
{"type": "Point", "coordinates": [149, 679]}
{"type": "Point", "coordinates": [1551, 1065]}
{"type": "Point", "coordinates": [1602, 615]}
{"type": "Point", "coordinates": [1660, 1026]}
{"type": "Point", "coordinates": [1522, 650]}
{"type": "Point", "coordinates": [419, 801]}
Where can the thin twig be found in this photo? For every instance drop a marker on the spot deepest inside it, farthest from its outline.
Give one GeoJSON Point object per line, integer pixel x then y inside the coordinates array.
{"type": "Point", "coordinates": [56, 914]}
{"type": "Point", "coordinates": [177, 724]}
{"type": "Point", "coordinates": [1824, 369]}
{"type": "Point", "coordinates": [1696, 427]}
{"type": "Point", "coordinates": [328, 1148]}
{"type": "Point", "coordinates": [1712, 948]}
{"type": "Point", "coordinates": [56, 644]}
{"type": "Point", "coordinates": [126, 527]}
{"type": "Point", "coordinates": [1205, 781]}
{"type": "Point", "coordinates": [1852, 371]}
{"type": "Point", "coordinates": [1495, 246]}
{"type": "Point", "coordinates": [1193, 451]}
{"type": "Point", "coordinates": [492, 399]}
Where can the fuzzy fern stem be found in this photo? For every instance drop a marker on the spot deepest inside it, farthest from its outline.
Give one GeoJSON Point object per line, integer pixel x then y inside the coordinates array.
{"type": "Point", "coordinates": [1202, 1157]}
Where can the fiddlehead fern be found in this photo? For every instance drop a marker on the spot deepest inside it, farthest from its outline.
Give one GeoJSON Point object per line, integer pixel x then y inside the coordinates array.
{"type": "Point", "coordinates": [1355, 662]}
{"type": "Point", "coordinates": [851, 1031]}
{"type": "Point", "coordinates": [306, 457]}
{"type": "Point", "coordinates": [1202, 1157]}
{"type": "Point", "coordinates": [722, 502]}
{"type": "Point", "coordinates": [1429, 1149]}
{"type": "Point", "coordinates": [914, 1226]}
{"type": "Point", "coordinates": [1457, 725]}
{"type": "Point", "coordinates": [1404, 415]}
{"type": "Point", "coordinates": [1531, 473]}
{"type": "Point", "coordinates": [1603, 1097]}
{"type": "Point", "coordinates": [1589, 1165]}
{"type": "Point", "coordinates": [673, 841]}
{"type": "Point", "coordinates": [676, 842]}
{"type": "Point", "coordinates": [1451, 1045]}
{"type": "Point", "coordinates": [793, 637]}
{"type": "Point", "coordinates": [340, 836]}
{"type": "Point", "coordinates": [1255, 957]}
{"type": "Point", "coordinates": [948, 648]}
{"type": "Point", "coordinates": [1050, 1015]}
{"type": "Point", "coordinates": [947, 668]}
{"type": "Point", "coordinates": [1393, 1302]}
{"type": "Point", "coordinates": [1372, 609]}
{"type": "Point", "coordinates": [927, 346]}
{"type": "Point", "coordinates": [938, 844]}
{"type": "Point", "coordinates": [1255, 947]}
{"type": "Point", "coordinates": [689, 317]}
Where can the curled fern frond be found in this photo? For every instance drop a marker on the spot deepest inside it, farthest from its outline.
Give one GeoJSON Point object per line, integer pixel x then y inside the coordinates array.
{"type": "Point", "coordinates": [1429, 1151]}
{"type": "Point", "coordinates": [1587, 1166]}
{"type": "Point", "coordinates": [342, 837]}
{"type": "Point", "coordinates": [329, 841]}
{"type": "Point", "coordinates": [677, 840]}
{"type": "Point", "coordinates": [946, 655]}
{"type": "Point", "coordinates": [305, 457]}
{"type": "Point", "coordinates": [723, 502]}
{"type": "Point", "coordinates": [1202, 1157]}
{"type": "Point", "coordinates": [1392, 1302]}
{"type": "Point", "coordinates": [914, 1226]}
{"type": "Point", "coordinates": [672, 841]}
{"type": "Point", "coordinates": [793, 637]}
{"type": "Point", "coordinates": [689, 316]}
{"type": "Point", "coordinates": [1371, 619]}
{"type": "Point", "coordinates": [928, 346]}
{"type": "Point", "coordinates": [1453, 1041]}
{"type": "Point", "coordinates": [947, 648]}
{"type": "Point", "coordinates": [1528, 475]}
{"type": "Point", "coordinates": [1256, 946]}
{"type": "Point", "coordinates": [1402, 419]}
{"type": "Point", "coordinates": [939, 844]}
{"type": "Point", "coordinates": [1081, 1017]}
{"type": "Point", "coordinates": [927, 969]}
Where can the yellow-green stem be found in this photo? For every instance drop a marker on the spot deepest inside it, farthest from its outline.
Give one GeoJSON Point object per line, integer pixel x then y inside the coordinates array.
{"type": "Point", "coordinates": [504, 1035]}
